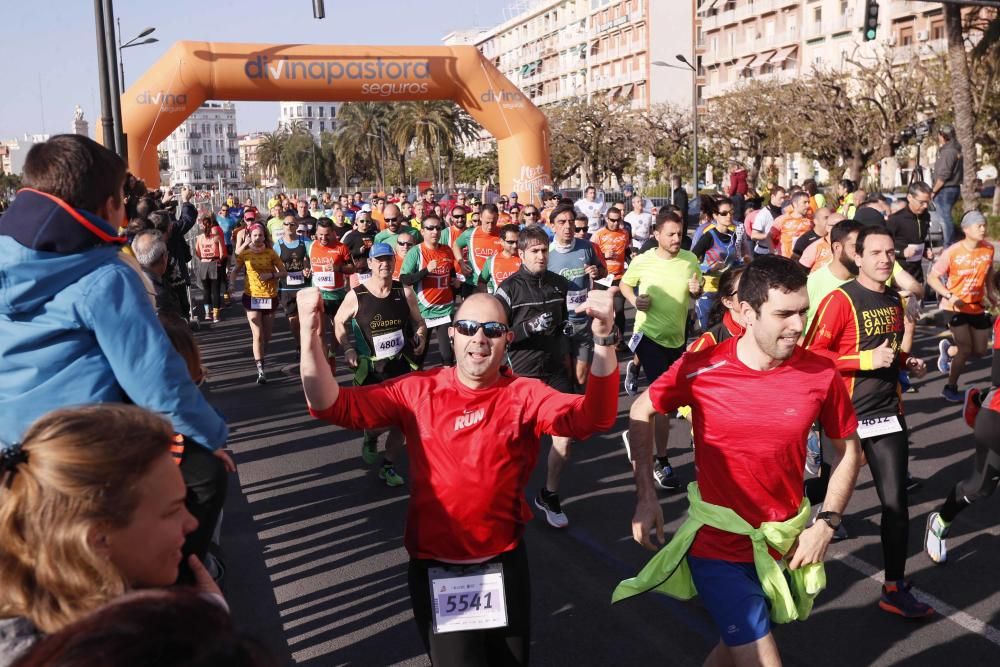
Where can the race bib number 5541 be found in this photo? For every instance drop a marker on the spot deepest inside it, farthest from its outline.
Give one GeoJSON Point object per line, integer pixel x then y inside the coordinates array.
{"type": "Point", "coordinates": [473, 601]}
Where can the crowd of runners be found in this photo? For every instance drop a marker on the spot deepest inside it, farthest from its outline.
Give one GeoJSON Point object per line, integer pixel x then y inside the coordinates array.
{"type": "Point", "coordinates": [109, 438]}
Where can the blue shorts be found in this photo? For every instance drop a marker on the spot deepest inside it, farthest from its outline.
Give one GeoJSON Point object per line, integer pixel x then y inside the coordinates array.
{"type": "Point", "coordinates": [733, 596]}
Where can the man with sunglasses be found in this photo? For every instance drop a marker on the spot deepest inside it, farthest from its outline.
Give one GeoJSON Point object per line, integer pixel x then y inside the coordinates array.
{"type": "Point", "coordinates": [382, 333]}
{"type": "Point", "coordinates": [404, 243]}
{"type": "Point", "coordinates": [294, 253]}
{"type": "Point", "coordinates": [359, 241]}
{"type": "Point", "coordinates": [615, 245]}
{"type": "Point", "coordinates": [394, 226]}
{"type": "Point", "coordinates": [430, 268]}
{"type": "Point", "coordinates": [910, 227]}
{"type": "Point", "coordinates": [478, 243]}
{"type": "Point", "coordinates": [530, 215]}
{"type": "Point", "coordinates": [473, 433]}
{"type": "Point", "coordinates": [537, 301]}
{"type": "Point", "coordinates": [502, 266]}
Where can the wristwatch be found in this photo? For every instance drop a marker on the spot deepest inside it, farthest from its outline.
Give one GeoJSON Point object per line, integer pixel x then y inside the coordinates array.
{"type": "Point", "coordinates": [613, 339]}
{"type": "Point", "coordinates": [833, 519]}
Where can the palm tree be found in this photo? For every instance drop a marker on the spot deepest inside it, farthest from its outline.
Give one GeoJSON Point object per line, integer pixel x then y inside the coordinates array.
{"type": "Point", "coordinates": [270, 152]}
{"type": "Point", "coordinates": [361, 126]}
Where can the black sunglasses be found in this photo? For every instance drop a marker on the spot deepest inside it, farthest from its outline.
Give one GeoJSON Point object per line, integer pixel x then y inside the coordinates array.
{"type": "Point", "coordinates": [470, 327]}
{"type": "Point", "coordinates": [725, 213]}
{"type": "Point", "coordinates": [530, 213]}
{"type": "Point", "coordinates": [430, 228]}
{"type": "Point", "coordinates": [406, 244]}
{"type": "Point", "coordinates": [580, 229]}
{"type": "Point", "coordinates": [390, 219]}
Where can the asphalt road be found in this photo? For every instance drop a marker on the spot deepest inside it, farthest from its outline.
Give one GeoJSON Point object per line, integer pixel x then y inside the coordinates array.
{"type": "Point", "coordinates": [316, 569]}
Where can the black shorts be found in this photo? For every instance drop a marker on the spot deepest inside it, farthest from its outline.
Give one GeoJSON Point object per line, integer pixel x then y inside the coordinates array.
{"type": "Point", "coordinates": [974, 320]}
{"type": "Point", "coordinates": [655, 358]}
{"type": "Point", "coordinates": [288, 302]}
{"type": "Point", "coordinates": [247, 304]}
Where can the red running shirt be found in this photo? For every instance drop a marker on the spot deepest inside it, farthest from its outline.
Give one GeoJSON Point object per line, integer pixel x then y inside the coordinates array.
{"type": "Point", "coordinates": [472, 451]}
{"type": "Point", "coordinates": [750, 457]}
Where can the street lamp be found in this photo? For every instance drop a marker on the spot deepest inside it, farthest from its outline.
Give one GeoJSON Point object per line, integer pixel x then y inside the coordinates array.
{"type": "Point", "coordinates": [694, 112]}
{"type": "Point", "coordinates": [132, 42]}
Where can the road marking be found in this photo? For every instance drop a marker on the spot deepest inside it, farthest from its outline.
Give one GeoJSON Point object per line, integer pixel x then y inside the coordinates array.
{"type": "Point", "coordinates": [956, 616]}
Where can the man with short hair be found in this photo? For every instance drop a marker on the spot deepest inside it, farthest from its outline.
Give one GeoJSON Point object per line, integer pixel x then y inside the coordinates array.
{"type": "Point", "coordinates": [293, 250]}
{"type": "Point", "coordinates": [812, 250]}
{"type": "Point", "coordinates": [427, 203]}
{"type": "Point", "coordinates": [750, 460]}
{"type": "Point", "coordinates": [590, 207]}
{"type": "Point", "coordinates": [430, 269]}
{"type": "Point", "coordinates": [763, 221]}
{"type": "Point", "coordinates": [793, 224]}
{"type": "Point", "coordinates": [501, 266]}
{"type": "Point", "coordinates": [151, 253]}
{"type": "Point", "coordinates": [641, 222]}
{"type": "Point", "coordinates": [478, 243]}
{"type": "Point", "coordinates": [679, 198]}
{"type": "Point", "coordinates": [394, 226]}
{"type": "Point", "coordinates": [909, 227]}
{"type": "Point", "coordinates": [859, 326]}
{"type": "Point", "coordinates": [303, 216]}
{"type": "Point", "coordinates": [968, 265]}
{"type": "Point", "coordinates": [330, 261]}
{"type": "Point", "coordinates": [275, 224]}
{"type": "Point", "coordinates": [615, 245]}
{"type": "Point", "coordinates": [359, 241]}
{"type": "Point", "coordinates": [948, 172]}
{"type": "Point", "coordinates": [660, 284]}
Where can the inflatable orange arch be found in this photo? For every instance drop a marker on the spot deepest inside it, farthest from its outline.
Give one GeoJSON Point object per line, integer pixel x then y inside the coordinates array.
{"type": "Point", "coordinates": [191, 73]}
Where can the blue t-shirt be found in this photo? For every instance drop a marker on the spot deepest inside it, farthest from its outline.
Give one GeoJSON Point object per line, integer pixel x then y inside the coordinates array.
{"type": "Point", "coordinates": [571, 264]}
{"type": "Point", "coordinates": [226, 224]}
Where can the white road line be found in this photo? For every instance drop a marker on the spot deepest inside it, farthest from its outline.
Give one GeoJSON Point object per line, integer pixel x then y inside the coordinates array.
{"type": "Point", "coordinates": [956, 616]}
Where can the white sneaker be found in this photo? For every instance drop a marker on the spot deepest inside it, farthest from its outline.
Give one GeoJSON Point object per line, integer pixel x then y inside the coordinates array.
{"type": "Point", "coordinates": [553, 510]}
{"type": "Point", "coordinates": [944, 361]}
{"type": "Point", "coordinates": [628, 446]}
{"type": "Point", "coordinates": [934, 541]}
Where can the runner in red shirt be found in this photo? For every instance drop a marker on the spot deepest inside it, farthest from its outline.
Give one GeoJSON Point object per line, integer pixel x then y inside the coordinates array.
{"type": "Point", "coordinates": [472, 448]}
{"type": "Point", "coordinates": [749, 456]}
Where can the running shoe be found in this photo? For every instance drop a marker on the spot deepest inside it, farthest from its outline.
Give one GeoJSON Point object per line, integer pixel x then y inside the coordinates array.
{"type": "Point", "coordinates": [814, 457]}
{"type": "Point", "coordinates": [951, 394]}
{"type": "Point", "coordinates": [628, 446]}
{"type": "Point", "coordinates": [944, 361]}
{"type": "Point", "coordinates": [934, 540]}
{"type": "Point", "coordinates": [631, 378]}
{"type": "Point", "coordinates": [549, 503]}
{"type": "Point", "coordinates": [389, 475]}
{"type": "Point", "coordinates": [261, 376]}
{"type": "Point", "coordinates": [664, 476]}
{"type": "Point", "coordinates": [897, 599]}
{"type": "Point", "coordinates": [369, 450]}
{"type": "Point", "coordinates": [970, 408]}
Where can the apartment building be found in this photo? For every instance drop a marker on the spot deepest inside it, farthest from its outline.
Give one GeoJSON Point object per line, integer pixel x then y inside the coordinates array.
{"type": "Point", "coordinates": [739, 40]}
{"type": "Point", "coordinates": [317, 117]}
{"type": "Point", "coordinates": [202, 152]}
{"type": "Point", "coordinates": [558, 50]}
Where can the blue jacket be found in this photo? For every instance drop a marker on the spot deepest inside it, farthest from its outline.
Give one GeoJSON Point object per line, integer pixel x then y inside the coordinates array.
{"type": "Point", "coordinates": [77, 326]}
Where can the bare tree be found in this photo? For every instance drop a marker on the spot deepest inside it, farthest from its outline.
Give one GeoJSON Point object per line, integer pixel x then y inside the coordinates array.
{"type": "Point", "coordinates": [961, 94]}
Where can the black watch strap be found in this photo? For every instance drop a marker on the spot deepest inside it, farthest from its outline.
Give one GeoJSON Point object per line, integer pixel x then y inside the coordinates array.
{"type": "Point", "coordinates": [833, 519]}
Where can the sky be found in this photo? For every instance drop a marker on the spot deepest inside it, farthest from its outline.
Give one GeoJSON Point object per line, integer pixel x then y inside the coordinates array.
{"type": "Point", "coordinates": [51, 45]}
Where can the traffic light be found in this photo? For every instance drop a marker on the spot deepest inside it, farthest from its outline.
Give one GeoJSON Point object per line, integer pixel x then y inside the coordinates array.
{"type": "Point", "coordinates": [871, 19]}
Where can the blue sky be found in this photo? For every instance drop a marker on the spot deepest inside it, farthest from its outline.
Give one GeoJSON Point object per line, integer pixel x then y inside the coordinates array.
{"type": "Point", "coordinates": [51, 47]}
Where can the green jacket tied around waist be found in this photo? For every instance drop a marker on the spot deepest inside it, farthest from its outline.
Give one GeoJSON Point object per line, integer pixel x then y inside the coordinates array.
{"type": "Point", "coordinates": [668, 572]}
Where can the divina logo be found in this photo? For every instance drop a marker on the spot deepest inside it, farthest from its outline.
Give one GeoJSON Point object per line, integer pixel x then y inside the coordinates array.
{"type": "Point", "coordinates": [408, 74]}
{"type": "Point", "coordinates": [166, 100]}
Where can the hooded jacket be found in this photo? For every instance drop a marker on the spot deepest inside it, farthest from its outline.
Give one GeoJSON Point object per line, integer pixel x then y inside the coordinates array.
{"type": "Point", "coordinates": [77, 325]}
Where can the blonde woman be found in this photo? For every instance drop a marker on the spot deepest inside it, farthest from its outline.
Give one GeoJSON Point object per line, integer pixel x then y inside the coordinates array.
{"type": "Point", "coordinates": [91, 506]}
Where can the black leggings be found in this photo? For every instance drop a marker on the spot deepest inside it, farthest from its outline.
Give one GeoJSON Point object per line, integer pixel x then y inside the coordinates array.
{"type": "Point", "coordinates": [887, 459]}
{"type": "Point", "coordinates": [986, 467]}
{"type": "Point", "coordinates": [206, 479]}
{"type": "Point", "coordinates": [212, 290]}
{"type": "Point", "coordinates": [444, 347]}
{"type": "Point", "coordinates": [497, 647]}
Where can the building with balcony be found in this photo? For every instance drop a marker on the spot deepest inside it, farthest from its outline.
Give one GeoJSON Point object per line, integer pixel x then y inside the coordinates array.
{"type": "Point", "coordinates": [250, 168]}
{"type": "Point", "coordinates": [317, 117]}
{"type": "Point", "coordinates": [203, 151]}
{"type": "Point", "coordinates": [739, 40]}
{"type": "Point", "coordinates": [15, 151]}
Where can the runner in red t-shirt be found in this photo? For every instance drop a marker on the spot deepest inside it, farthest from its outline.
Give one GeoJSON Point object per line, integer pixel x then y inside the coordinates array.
{"type": "Point", "coordinates": [472, 435]}
{"type": "Point", "coordinates": [750, 455]}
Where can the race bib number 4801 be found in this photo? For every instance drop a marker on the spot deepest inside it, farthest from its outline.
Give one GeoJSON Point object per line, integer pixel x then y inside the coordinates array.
{"type": "Point", "coordinates": [388, 344]}
{"type": "Point", "coordinates": [473, 601]}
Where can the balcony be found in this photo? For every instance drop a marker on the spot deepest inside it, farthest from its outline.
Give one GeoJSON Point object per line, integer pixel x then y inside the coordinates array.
{"type": "Point", "coordinates": [230, 135]}
{"type": "Point", "coordinates": [744, 48]}
{"type": "Point", "coordinates": [196, 151]}
{"type": "Point", "coordinates": [194, 134]}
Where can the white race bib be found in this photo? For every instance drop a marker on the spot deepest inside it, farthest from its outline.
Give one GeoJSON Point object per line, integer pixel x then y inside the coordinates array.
{"type": "Point", "coordinates": [873, 427]}
{"type": "Point", "coordinates": [606, 280]}
{"type": "Point", "coordinates": [633, 342]}
{"type": "Point", "coordinates": [468, 601]}
{"type": "Point", "coordinates": [364, 276]}
{"type": "Point", "coordinates": [438, 321]}
{"type": "Point", "coordinates": [575, 298]}
{"type": "Point", "coordinates": [294, 278]}
{"type": "Point", "coordinates": [258, 303]}
{"type": "Point", "coordinates": [324, 279]}
{"type": "Point", "coordinates": [388, 344]}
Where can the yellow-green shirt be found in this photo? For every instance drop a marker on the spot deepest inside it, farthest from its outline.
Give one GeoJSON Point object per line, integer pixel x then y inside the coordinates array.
{"type": "Point", "coordinates": [666, 283]}
{"type": "Point", "coordinates": [265, 261]}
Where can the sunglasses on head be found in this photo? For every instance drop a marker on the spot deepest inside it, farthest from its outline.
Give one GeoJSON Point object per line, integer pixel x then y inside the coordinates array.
{"type": "Point", "coordinates": [470, 327]}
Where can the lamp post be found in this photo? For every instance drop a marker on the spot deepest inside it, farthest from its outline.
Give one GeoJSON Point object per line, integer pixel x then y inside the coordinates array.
{"type": "Point", "coordinates": [694, 113]}
{"type": "Point", "coordinates": [132, 42]}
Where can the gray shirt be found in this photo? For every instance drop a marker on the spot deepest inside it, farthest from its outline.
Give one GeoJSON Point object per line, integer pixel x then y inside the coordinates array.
{"type": "Point", "coordinates": [949, 164]}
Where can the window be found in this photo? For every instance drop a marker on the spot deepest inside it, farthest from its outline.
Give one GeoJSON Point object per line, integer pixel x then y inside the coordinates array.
{"type": "Point", "coordinates": [906, 35]}
{"type": "Point", "coordinates": [937, 28]}
{"type": "Point", "coordinates": [333, 111]}
{"type": "Point", "coordinates": [309, 111]}
{"type": "Point", "coordinates": [322, 124]}
{"type": "Point", "coordinates": [321, 110]}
